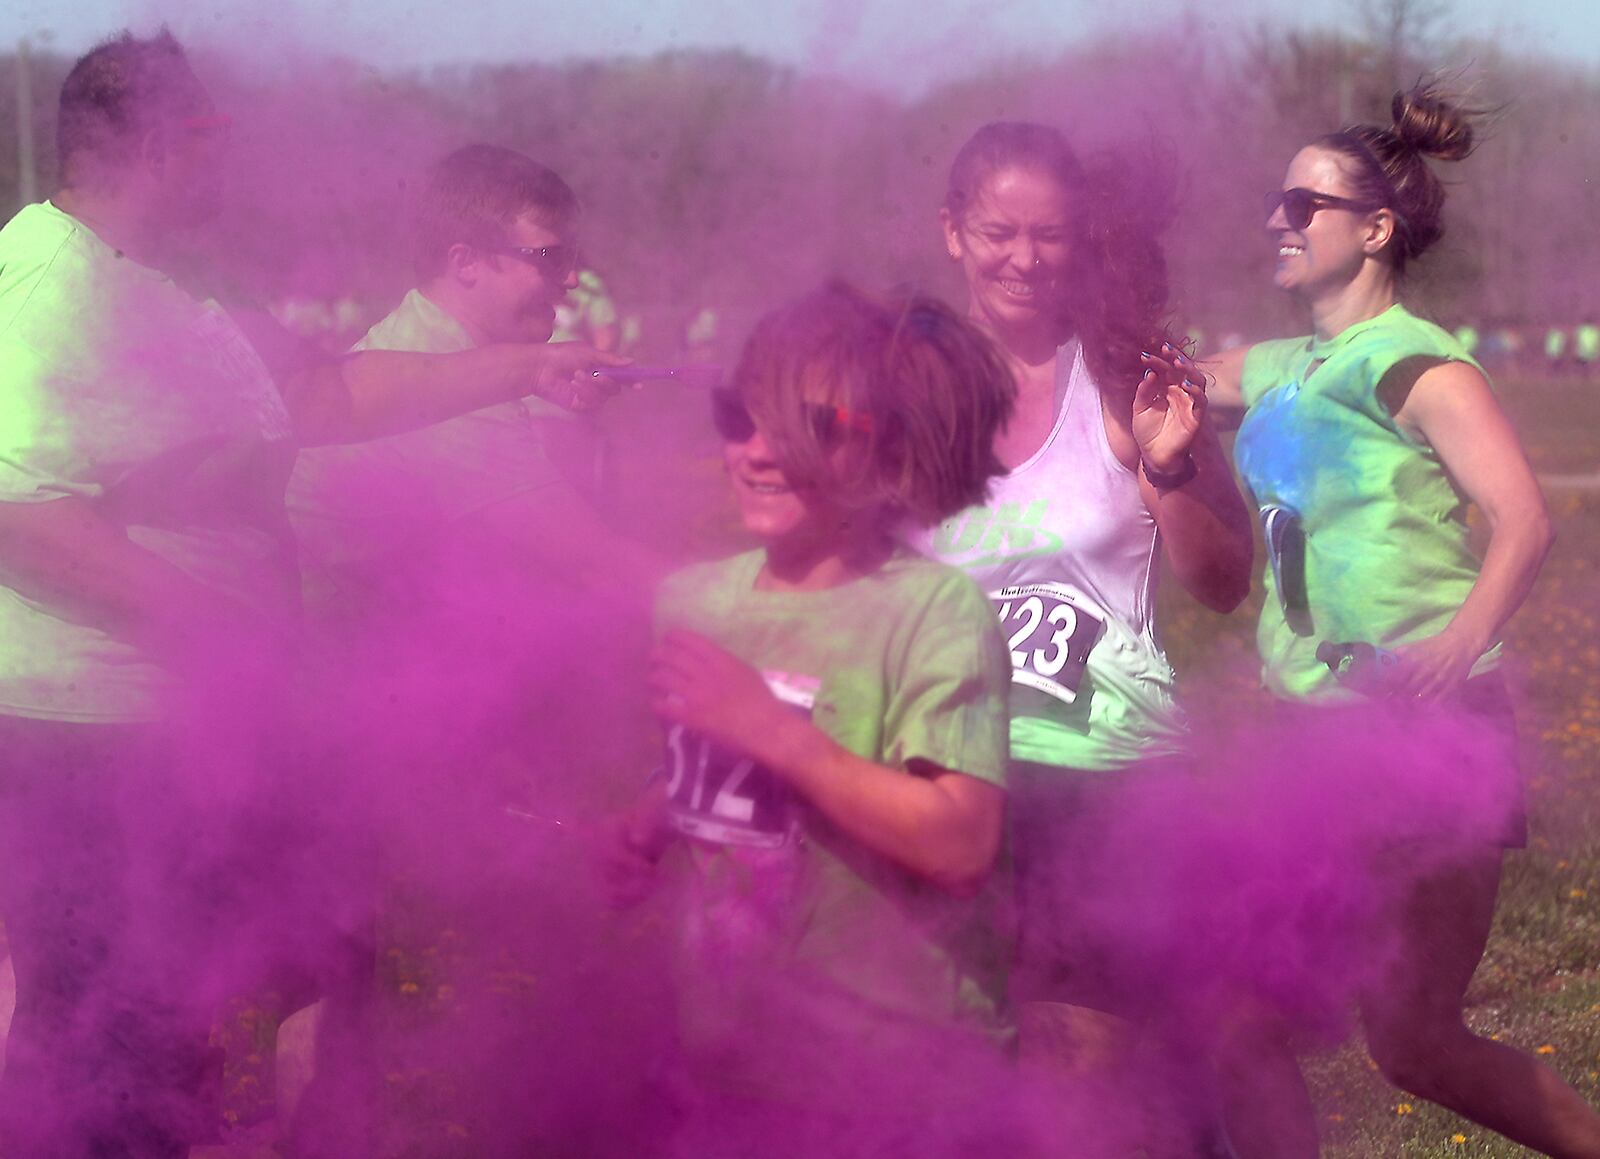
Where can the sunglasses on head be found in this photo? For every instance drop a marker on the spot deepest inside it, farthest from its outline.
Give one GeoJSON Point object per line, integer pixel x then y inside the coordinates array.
{"type": "Point", "coordinates": [1300, 205]}
{"type": "Point", "coordinates": [553, 261]}
{"type": "Point", "coordinates": [829, 424]}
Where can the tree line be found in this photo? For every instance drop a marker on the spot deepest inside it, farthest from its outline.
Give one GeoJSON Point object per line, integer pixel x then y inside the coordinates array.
{"type": "Point", "coordinates": [720, 179]}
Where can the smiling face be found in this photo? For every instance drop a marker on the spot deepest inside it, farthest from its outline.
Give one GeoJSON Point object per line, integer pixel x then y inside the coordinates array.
{"type": "Point", "coordinates": [1014, 243]}
{"type": "Point", "coordinates": [790, 518]}
{"type": "Point", "coordinates": [1330, 250]}
{"type": "Point", "coordinates": [512, 298]}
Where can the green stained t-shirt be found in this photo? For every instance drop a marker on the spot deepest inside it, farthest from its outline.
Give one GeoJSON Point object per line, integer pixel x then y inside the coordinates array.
{"type": "Point", "coordinates": [1386, 559]}
{"type": "Point", "coordinates": [903, 665]}
{"type": "Point", "coordinates": [121, 390]}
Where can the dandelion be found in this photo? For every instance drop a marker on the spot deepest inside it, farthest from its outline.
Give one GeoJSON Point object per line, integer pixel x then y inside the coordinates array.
{"type": "Point", "coordinates": [1546, 1049]}
{"type": "Point", "coordinates": [1458, 1139]}
{"type": "Point", "coordinates": [1404, 1109]}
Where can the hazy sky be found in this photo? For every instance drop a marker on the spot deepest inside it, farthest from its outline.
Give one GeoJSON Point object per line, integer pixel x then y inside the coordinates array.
{"type": "Point", "coordinates": [900, 45]}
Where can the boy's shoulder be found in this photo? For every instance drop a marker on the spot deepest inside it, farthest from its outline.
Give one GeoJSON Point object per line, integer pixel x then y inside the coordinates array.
{"type": "Point", "coordinates": [910, 571]}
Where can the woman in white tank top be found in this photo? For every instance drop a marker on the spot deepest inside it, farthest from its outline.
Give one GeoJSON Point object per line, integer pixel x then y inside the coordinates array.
{"type": "Point", "coordinates": [1111, 460]}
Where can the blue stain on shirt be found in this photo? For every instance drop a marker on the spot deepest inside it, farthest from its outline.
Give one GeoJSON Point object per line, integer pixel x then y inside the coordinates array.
{"type": "Point", "coordinates": [1274, 452]}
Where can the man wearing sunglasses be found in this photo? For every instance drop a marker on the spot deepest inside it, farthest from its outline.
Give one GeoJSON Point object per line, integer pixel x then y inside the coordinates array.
{"type": "Point", "coordinates": [493, 242]}
{"type": "Point", "coordinates": [466, 551]}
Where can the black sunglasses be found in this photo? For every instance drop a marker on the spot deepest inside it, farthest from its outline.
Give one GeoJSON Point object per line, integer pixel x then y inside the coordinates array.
{"type": "Point", "coordinates": [553, 261]}
{"type": "Point", "coordinates": [1300, 205]}
{"type": "Point", "coordinates": [829, 424]}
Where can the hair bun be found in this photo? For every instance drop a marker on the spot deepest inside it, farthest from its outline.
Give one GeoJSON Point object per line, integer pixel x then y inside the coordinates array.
{"type": "Point", "coordinates": [1426, 123]}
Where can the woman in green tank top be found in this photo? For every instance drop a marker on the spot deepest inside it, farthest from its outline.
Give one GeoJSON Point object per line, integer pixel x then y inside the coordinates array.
{"type": "Point", "coordinates": [1362, 444]}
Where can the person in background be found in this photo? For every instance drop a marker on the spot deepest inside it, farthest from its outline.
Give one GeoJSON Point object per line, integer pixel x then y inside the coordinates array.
{"type": "Point", "coordinates": [587, 314]}
{"type": "Point", "coordinates": [1586, 347]}
{"type": "Point", "coordinates": [1362, 444]}
{"type": "Point", "coordinates": [1555, 350]}
{"type": "Point", "coordinates": [147, 588]}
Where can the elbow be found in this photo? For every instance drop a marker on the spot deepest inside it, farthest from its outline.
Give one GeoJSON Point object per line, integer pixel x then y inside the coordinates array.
{"type": "Point", "coordinates": [1544, 530]}
{"type": "Point", "coordinates": [964, 884]}
{"type": "Point", "coordinates": [1225, 592]}
{"type": "Point", "coordinates": [1224, 583]}
{"type": "Point", "coordinates": [964, 866]}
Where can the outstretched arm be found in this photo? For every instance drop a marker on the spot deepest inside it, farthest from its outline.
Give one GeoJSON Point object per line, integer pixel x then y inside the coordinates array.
{"type": "Point", "coordinates": [382, 392]}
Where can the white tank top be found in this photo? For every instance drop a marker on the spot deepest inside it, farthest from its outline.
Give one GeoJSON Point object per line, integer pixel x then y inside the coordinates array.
{"type": "Point", "coordinates": [1067, 552]}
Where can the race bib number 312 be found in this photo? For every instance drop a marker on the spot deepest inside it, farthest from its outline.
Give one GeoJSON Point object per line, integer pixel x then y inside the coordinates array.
{"type": "Point", "coordinates": [722, 797]}
{"type": "Point", "coordinates": [1050, 631]}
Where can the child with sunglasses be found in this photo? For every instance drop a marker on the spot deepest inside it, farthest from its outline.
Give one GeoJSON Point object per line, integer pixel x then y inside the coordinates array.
{"type": "Point", "coordinates": [1362, 443]}
{"type": "Point", "coordinates": [832, 798]}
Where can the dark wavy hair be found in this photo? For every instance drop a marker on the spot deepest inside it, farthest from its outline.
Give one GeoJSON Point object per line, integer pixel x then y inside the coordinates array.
{"type": "Point", "coordinates": [1387, 166]}
{"type": "Point", "coordinates": [928, 390]}
{"type": "Point", "coordinates": [1115, 295]}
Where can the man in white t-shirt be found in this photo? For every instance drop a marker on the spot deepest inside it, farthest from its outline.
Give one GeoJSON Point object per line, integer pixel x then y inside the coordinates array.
{"type": "Point", "coordinates": [147, 580]}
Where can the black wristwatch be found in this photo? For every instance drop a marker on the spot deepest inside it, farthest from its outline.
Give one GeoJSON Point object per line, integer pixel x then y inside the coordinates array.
{"type": "Point", "coordinates": [1167, 480]}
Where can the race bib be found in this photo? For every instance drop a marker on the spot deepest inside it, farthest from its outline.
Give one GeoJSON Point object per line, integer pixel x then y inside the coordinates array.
{"type": "Point", "coordinates": [1050, 631]}
{"type": "Point", "coordinates": [719, 796]}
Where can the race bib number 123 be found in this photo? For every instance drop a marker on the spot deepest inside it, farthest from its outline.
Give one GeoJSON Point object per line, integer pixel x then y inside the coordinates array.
{"type": "Point", "coordinates": [1050, 632]}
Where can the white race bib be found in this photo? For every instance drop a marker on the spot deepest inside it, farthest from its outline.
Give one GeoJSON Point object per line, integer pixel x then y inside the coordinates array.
{"type": "Point", "coordinates": [718, 796]}
{"type": "Point", "coordinates": [1050, 631]}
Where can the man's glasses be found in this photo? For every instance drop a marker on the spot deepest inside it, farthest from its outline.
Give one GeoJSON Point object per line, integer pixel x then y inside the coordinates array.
{"type": "Point", "coordinates": [553, 261]}
{"type": "Point", "coordinates": [829, 424]}
{"type": "Point", "coordinates": [1300, 205]}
